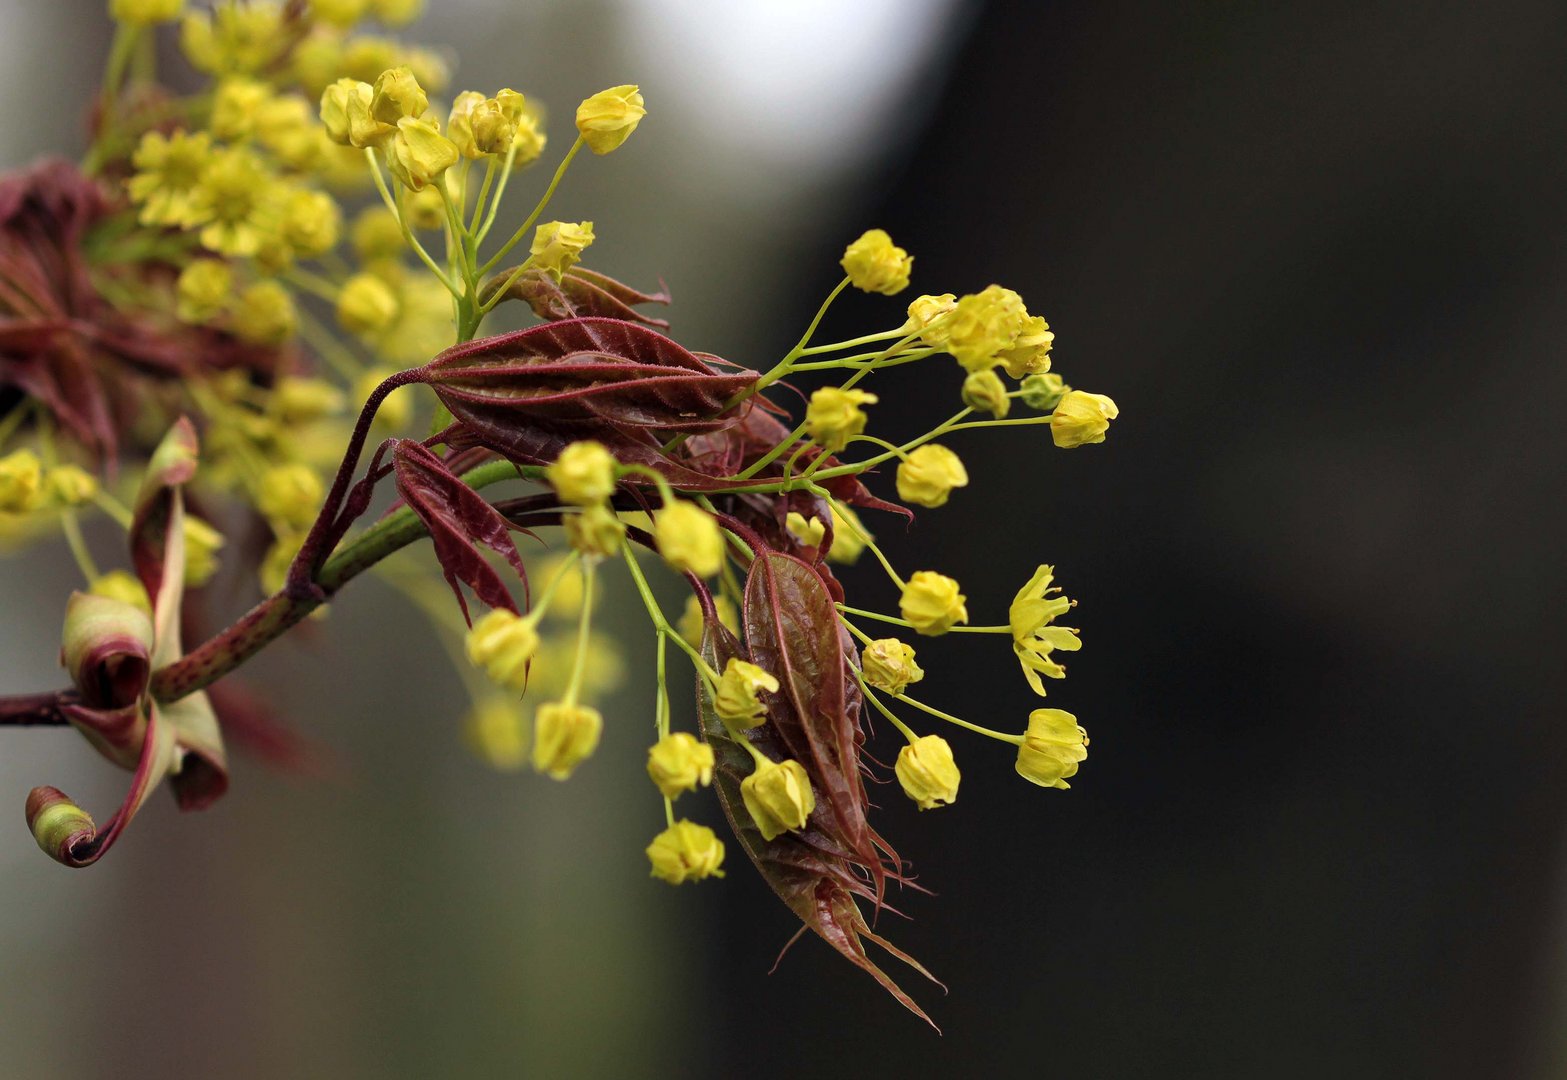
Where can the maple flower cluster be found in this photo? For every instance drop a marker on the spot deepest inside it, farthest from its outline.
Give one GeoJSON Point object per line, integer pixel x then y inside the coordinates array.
{"type": "Point", "coordinates": [292, 269]}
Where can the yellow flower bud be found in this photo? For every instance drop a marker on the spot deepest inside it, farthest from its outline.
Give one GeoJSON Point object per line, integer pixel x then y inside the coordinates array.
{"type": "Point", "coordinates": [563, 737]}
{"type": "Point", "coordinates": [339, 13]}
{"type": "Point", "coordinates": [299, 400]}
{"type": "Point", "coordinates": [497, 730]}
{"type": "Point", "coordinates": [809, 531]}
{"type": "Point", "coordinates": [236, 38]}
{"type": "Point", "coordinates": [376, 235]}
{"type": "Point", "coordinates": [528, 141]}
{"type": "Point", "coordinates": [426, 210]}
{"type": "Point", "coordinates": [1029, 354]}
{"type": "Point", "coordinates": [557, 245]}
{"type": "Point", "coordinates": [235, 103]}
{"type": "Point", "coordinates": [202, 543]}
{"type": "Point", "coordinates": [458, 128]}
{"type": "Point", "coordinates": [264, 314]}
{"type": "Point", "coordinates": [849, 536]}
{"type": "Point", "coordinates": [932, 603]}
{"type": "Point", "coordinates": [686, 852]}
{"type": "Point", "coordinates": [21, 482]}
{"type": "Point", "coordinates": [985, 392]}
{"type": "Point", "coordinates": [340, 103]}
{"type": "Point", "coordinates": [982, 325]}
{"type": "Point", "coordinates": [583, 474]}
{"type": "Point", "coordinates": [397, 12]}
{"type": "Point", "coordinates": [737, 698]}
{"type": "Point", "coordinates": [311, 223]}
{"type": "Point", "coordinates": [834, 416]}
{"type": "Point", "coordinates": [689, 538]}
{"type": "Point", "coordinates": [70, 485]}
{"type": "Point", "coordinates": [678, 763]}
{"type": "Point", "coordinates": [778, 796]}
{"type": "Point", "coordinates": [396, 408]}
{"type": "Point", "coordinates": [203, 291]}
{"type": "Point", "coordinates": [888, 664]}
{"type": "Point", "coordinates": [924, 311]}
{"type": "Point", "coordinates": [317, 60]}
{"type": "Point", "coordinates": [125, 587]}
{"type": "Point", "coordinates": [429, 67]}
{"type": "Point", "coordinates": [596, 531]}
{"type": "Point", "coordinates": [366, 305]}
{"type": "Point", "coordinates": [1081, 418]}
{"type": "Point", "coordinates": [289, 495]}
{"type": "Point", "coordinates": [419, 153]}
{"type": "Point", "coordinates": [145, 12]}
{"type": "Point", "coordinates": [1052, 748]}
{"type": "Point", "coordinates": [691, 625]}
{"type": "Point", "coordinates": [397, 96]}
{"type": "Point", "coordinates": [874, 264]}
{"type": "Point", "coordinates": [609, 117]}
{"type": "Point", "coordinates": [479, 125]}
{"type": "Point", "coordinates": [1044, 392]}
{"type": "Point", "coordinates": [927, 476]}
{"type": "Point", "coordinates": [927, 772]}
{"type": "Point", "coordinates": [500, 645]}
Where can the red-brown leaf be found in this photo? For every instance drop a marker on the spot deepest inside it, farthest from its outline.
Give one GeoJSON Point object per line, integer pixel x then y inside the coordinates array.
{"type": "Point", "coordinates": [581, 293]}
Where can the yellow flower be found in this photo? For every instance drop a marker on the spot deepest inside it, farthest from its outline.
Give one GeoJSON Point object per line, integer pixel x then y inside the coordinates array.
{"type": "Point", "coordinates": [500, 645]}
{"type": "Point", "coordinates": [849, 536]}
{"type": "Point", "coordinates": [344, 102]}
{"type": "Point", "coordinates": [927, 772]}
{"type": "Point", "coordinates": [1081, 418]}
{"type": "Point", "coordinates": [1043, 392]}
{"type": "Point", "coordinates": [70, 485]}
{"type": "Point", "coordinates": [778, 796]}
{"type": "Point", "coordinates": [203, 290]}
{"type": "Point", "coordinates": [317, 60]}
{"type": "Point", "coordinates": [264, 314]}
{"type": "Point", "coordinates": [396, 408]}
{"type": "Point", "coordinates": [888, 664]}
{"type": "Point", "coordinates": [609, 117]}
{"type": "Point", "coordinates": [21, 482]}
{"type": "Point", "coordinates": [679, 762]}
{"type": "Point", "coordinates": [145, 12]}
{"type": "Point", "coordinates": [737, 698]}
{"type": "Point", "coordinates": [479, 125]}
{"type": "Point", "coordinates": [876, 265]}
{"type": "Point", "coordinates": [686, 852]}
{"type": "Point", "coordinates": [202, 542]}
{"type": "Point", "coordinates": [289, 495]}
{"type": "Point", "coordinates": [563, 737]}
{"type": "Point", "coordinates": [1029, 354]}
{"type": "Point", "coordinates": [982, 325]}
{"type": "Point", "coordinates": [583, 474]}
{"type": "Point", "coordinates": [235, 103]}
{"type": "Point", "coordinates": [932, 603]}
{"type": "Point", "coordinates": [1052, 748]}
{"type": "Point", "coordinates": [596, 531]}
{"type": "Point", "coordinates": [834, 416]}
{"type": "Point", "coordinates": [168, 168]}
{"type": "Point", "coordinates": [376, 235]}
{"type": "Point", "coordinates": [927, 476]}
{"type": "Point", "coordinates": [557, 245]}
{"type": "Point", "coordinates": [299, 400]}
{"type": "Point", "coordinates": [311, 222]}
{"type": "Point", "coordinates": [528, 141]}
{"type": "Point", "coordinates": [1033, 638]}
{"type": "Point", "coordinates": [397, 12]}
{"type": "Point", "coordinates": [689, 538]}
{"type": "Point", "coordinates": [230, 202]}
{"type": "Point", "coordinates": [397, 96]}
{"type": "Point", "coordinates": [497, 730]}
{"type": "Point", "coordinates": [366, 305]}
{"type": "Point", "coordinates": [236, 38]}
{"type": "Point", "coordinates": [562, 576]}
{"type": "Point", "coordinates": [985, 392]}
{"type": "Point", "coordinates": [419, 153]}
{"type": "Point", "coordinates": [809, 531]}
{"type": "Point", "coordinates": [924, 311]}
{"type": "Point", "coordinates": [691, 625]}
{"type": "Point", "coordinates": [124, 587]}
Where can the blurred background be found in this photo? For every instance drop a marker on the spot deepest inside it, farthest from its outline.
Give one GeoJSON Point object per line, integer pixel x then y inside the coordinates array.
{"type": "Point", "coordinates": [1318, 255]}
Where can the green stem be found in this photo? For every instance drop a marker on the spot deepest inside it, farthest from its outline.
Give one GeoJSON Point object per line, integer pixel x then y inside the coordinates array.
{"type": "Point", "coordinates": [876, 701]}
{"type": "Point", "coordinates": [1015, 740]}
{"type": "Point", "coordinates": [584, 628]}
{"type": "Point", "coordinates": [522, 229]}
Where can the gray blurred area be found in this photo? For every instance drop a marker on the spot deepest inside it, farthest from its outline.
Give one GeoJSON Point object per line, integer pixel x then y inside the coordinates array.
{"type": "Point", "coordinates": [1316, 255]}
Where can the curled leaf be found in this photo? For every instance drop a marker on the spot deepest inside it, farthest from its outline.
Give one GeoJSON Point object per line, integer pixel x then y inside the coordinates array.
{"type": "Point", "coordinates": [107, 648]}
{"type": "Point", "coordinates": [579, 293]}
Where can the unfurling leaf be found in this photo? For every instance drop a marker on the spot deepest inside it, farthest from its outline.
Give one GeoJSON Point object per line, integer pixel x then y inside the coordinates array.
{"type": "Point", "coordinates": [459, 520]}
{"type": "Point", "coordinates": [578, 294]}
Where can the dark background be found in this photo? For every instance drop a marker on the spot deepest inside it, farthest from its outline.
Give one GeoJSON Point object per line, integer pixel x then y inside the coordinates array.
{"type": "Point", "coordinates": [1315, 252]}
